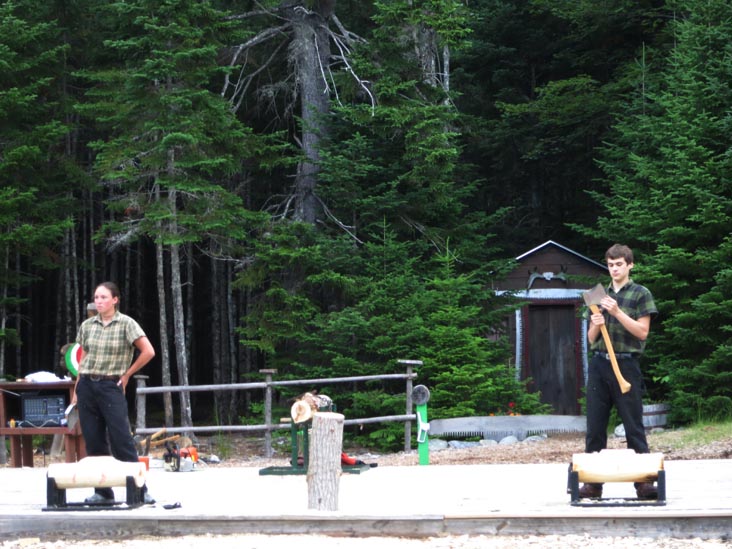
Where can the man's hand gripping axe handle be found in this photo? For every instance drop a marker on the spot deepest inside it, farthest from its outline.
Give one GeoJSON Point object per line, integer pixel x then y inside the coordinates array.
{"type": "Point", "coordinates": [592, 298]}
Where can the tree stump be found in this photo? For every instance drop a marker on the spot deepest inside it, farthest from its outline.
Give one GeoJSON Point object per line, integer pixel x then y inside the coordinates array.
{"type": "Point", "coordinates": [324, 467]}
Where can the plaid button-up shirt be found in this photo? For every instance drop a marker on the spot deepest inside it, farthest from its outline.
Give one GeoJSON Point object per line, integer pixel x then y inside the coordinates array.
{"type": "Point", "coordinates": [109, 349]}
{"type": "Point", "coordinates": [636, 301]}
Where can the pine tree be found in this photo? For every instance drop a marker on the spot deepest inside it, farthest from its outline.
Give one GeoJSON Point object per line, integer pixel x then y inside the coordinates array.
{"type": "Point", "coordinates": [670, 195]}
{"type": "Point", "coordinates": [33, 203]}
{"type": "Point", "coordinates": [170, 146]}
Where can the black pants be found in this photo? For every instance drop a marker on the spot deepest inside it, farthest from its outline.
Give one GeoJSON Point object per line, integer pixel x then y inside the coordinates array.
{"type": "Point", "coordinates": [105, 424]}
{"type": "Point", "coordinates": [603, 392]}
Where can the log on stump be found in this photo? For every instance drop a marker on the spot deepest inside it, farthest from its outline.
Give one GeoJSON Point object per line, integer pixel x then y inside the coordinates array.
{"type": "Point", "coordinates": [324, 467]}
{"type": "Point", "coordinates": [617, 466]}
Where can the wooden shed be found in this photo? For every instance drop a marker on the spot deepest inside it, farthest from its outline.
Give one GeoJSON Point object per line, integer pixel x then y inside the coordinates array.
{"type": "Point", "coordinates": [547, 333]}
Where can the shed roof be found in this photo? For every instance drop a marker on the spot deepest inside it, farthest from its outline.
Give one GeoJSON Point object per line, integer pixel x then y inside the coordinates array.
{"type": "Point", "coordinates": [552, 243]}
{"type": "Point", "coordinates": [553, 268]}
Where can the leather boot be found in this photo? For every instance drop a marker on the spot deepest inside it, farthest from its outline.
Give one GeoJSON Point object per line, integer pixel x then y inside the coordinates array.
{"type": "Point", "coordinates": [646, 490]}
{"type": "Point", "coordinates": [590, 490]}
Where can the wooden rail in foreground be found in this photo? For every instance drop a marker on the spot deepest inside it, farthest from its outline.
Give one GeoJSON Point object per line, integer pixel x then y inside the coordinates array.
{"type": "Point", "coordinates": [268, 385]}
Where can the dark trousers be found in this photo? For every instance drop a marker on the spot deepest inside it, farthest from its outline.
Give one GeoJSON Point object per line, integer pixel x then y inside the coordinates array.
{"type": "Point", "coordinates": [105, 425]}
{"type": "Point", "coordinates": [603, 392]}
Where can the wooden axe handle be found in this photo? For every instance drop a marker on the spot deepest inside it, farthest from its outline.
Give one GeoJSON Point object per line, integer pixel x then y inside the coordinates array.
{"type": "Point", "coordinates": [150, 438]}
{"type": "Point", "coordinates": [624, 385]}
{"type": "Point", "coordinates": [161, 441]}
{"type": "Point", "coordinates": [159, 433]}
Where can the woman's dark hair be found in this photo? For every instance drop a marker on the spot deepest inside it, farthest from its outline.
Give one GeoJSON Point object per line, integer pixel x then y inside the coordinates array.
{"type": "Point", "coordinates": [113, 289]}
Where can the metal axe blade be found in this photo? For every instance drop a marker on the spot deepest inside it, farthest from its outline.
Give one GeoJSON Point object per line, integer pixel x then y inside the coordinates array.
{"type": "Point", "coordinates": [593, 298]}
{"type": "Point", "coordinates": [72, 416]}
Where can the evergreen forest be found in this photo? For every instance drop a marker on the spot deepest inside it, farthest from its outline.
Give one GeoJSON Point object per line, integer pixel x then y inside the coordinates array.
{"type": "Point", "coordinates": [323, 187]}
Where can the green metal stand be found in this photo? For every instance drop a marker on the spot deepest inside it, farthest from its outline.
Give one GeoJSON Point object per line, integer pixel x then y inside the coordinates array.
{"type": "Point", "coordinates": [423, 446]}
{"type": "Point", "coordinates": [299, 433]}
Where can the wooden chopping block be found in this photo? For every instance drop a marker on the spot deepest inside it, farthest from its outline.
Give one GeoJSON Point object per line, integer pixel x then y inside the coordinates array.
{"type": "Point", "coordinates": [96, 472]}
{"type": "Point", "coordinates": [617, 466]}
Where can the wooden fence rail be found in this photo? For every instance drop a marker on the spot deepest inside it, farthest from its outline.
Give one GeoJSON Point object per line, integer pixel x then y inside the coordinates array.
{"type": "Point", "coordinates": [268, 385]}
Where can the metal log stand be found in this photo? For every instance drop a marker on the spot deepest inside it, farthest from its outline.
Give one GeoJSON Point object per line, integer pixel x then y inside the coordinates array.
{"type": "Point", "coordinates": [300, 453]}
{"type": "Point", "coordinates": [616, 466]}
{"type": "Point", "coordinates": [420, 396]}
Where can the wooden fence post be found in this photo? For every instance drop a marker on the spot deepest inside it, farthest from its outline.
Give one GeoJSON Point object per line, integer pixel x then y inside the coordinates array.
{"type": "Point", "coordinates": [268, 411]}
{"type": "Point", "coordinates": [324, 467]}
{"type": "Point", "coordinates": [140, 402]}
{"type": "Point", "coordinates": [408, 424]}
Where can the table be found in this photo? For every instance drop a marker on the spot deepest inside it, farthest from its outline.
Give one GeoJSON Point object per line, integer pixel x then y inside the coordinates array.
{"type": "Point", "coordinates": [21, 438]}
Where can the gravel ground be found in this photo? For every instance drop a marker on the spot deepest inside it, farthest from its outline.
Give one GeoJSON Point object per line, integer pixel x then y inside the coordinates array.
{"type": "Point", "coordinates": [254, 541]}
{"type": "Point", "coordinates": [247, 451]}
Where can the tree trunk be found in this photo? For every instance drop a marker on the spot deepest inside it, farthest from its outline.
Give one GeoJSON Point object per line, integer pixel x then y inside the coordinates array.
{"type": "Point", "coordinates": [189, 312]}
{"type": "Point", "coordinates": [233, 360]}
{"type": "Point", "coordinates": [435, 69]}
{"type": "Point", "coordinates": [179, 333]}
{"type": "Point", "coordinates": [179, 336]}
{"type": "Point", "coordinates": [216, 343]}
{"type": "Point", "coordinates": [63, 320]}
{"type": "Point", "coordinates": [19, 320]}
{"type": "Point", "coordinates": [324, 466]}
{"type": "Point", "coordinates": [4, 313]}
{"type": "Point", "coordinates": [162, 313]}
{"type": "Point", "coordinates": [3, 324]}
{"type": "Point", "coordinates": [311, 49]}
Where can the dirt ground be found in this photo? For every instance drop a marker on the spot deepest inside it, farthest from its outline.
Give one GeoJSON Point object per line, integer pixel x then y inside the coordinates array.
{"type": "Point", "coordinates": [248, 452]}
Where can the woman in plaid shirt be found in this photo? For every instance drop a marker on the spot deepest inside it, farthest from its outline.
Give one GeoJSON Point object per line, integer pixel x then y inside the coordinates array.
{"type": "Point", "coordinates": [108, 341]}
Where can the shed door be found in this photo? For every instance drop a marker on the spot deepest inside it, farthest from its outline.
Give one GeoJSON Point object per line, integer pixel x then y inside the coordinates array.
{"type": "Point", "coordinates": [552, 360]}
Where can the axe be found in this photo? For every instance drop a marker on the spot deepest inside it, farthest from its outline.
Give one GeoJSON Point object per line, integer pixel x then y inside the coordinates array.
{"type": "Point", "coordinates": [72, 416]}
{"type": "Point", "coordinates": [592, 299]}
{"type": "Point", "coordinates": [149, 440]}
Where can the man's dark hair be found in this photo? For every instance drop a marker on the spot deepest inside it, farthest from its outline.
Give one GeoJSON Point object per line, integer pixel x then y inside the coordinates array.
{"type": "Point", "coordinates": [616, 251]}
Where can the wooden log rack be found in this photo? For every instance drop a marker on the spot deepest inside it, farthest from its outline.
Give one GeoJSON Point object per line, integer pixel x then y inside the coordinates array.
{"type": "Point", "coordinates": [616, 466]}
{"type": "Point", "coordinates": [94, 472]}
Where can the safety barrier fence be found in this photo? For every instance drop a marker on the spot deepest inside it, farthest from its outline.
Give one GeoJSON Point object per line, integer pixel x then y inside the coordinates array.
{"type": "Point", "coordinates": [268, 385]}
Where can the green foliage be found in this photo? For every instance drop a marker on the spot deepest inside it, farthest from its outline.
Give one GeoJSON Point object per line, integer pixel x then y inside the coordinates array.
{"type": "Point", "coordinates": [541, 83]}
{"type": "Point", "coordinates": [465, 356]}
{"type": "Point", "coordinates": [447, 18]}
{"type": "Point", "coordinates": [379, 307]}
{"type": "Point", "coordinates": [172, 143]}
{"type": "Point", "coordinates": [668, 171]}
{"type": "Point", "coordinates": [35, 210]}
{"type": "Point", "coordinates": [428, 183]}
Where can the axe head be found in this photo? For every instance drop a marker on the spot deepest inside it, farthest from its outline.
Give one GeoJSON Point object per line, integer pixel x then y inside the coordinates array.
{"type": "Point", "coordinates": [72, 416]}
{"type": "Point", "coordinates": [594, 296]}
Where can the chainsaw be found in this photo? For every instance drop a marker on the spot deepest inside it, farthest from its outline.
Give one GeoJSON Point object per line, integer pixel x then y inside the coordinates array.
{"type": "Point", "coordinates": [179, 459]}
